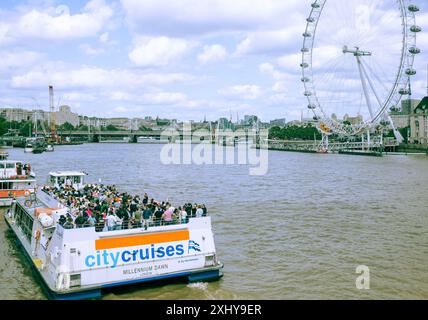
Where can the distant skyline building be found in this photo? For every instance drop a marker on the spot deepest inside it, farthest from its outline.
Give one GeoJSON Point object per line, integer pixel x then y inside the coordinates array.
{"type": "Point", "coordinates": [279, 122]}
{"type": "Point", "coordinates": [419, 123]}
{"type": "Point", "coordinates": [401, 116]}
{"type": "Point", "coordinates": [64, 115]}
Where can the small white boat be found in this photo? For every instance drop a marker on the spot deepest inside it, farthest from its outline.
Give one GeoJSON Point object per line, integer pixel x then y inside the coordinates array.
{"type": "Point", "coordinates": [28, 148]}
{"type": "Point", "coordinates": [50, 148]}
{"type": "Point", "coordinates": [152, 140]}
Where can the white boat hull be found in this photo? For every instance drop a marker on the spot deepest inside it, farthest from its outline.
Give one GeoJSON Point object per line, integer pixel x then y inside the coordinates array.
{"type": "Point", "coordinates": [80, 263]}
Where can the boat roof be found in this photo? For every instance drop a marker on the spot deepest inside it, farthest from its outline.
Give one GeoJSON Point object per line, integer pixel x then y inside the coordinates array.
{"type": "Point", "coordinates": [10, 161]}
{"type": "Point", "coordinates": [67, 174]}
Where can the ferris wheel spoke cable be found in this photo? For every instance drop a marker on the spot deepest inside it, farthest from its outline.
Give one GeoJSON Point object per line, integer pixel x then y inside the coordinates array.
{"type": "Point", "coordinates": [375, 75]}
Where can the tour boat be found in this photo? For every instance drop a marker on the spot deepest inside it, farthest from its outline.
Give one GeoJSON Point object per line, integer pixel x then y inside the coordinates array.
{"type": "Point", "coordinates": [16, 180]}
{"type": "Point", "coordinates": [85, 263]}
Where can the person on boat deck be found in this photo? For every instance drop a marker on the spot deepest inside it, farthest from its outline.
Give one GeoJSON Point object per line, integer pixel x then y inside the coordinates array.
{"type": "Point", "coordinates": [194, 208]}
{"type": "Point", "coordinates": [146, 199]}
{"type": "Point", "coordinates": [112, 220]}
{"type": "Point", "coordinates": [69, 224]}
{"type": "Point", "coordinates": [199, 212]}
{"type": "Point", "coordinates": [183, 215]}
{"type": "Point", "coordinates": [124, 215]}
{"type": "Point", "coordinates": [168, 216]}
{"type": "Point", "coordinates": [147, 216]}
{"type": "Point", "coordinates": [19, 169]}
{"type": "Point", "coordinates": [119, 223]}
{"type": "Point", "coordinates": [62, 220]}
{"type": "Point", "coordinates": [137, 218]}
{"type": "Point", "coordinates": [204, 208]}
{"type": "Point", "coordinates": [158, 216]}
{"type": "Point", "coordinates": [80, 220]}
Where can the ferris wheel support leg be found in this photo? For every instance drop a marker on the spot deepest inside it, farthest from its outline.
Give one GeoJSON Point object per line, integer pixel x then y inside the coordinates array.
{"type": "Point", "coordinates": [397, 133]}
{"type": "Point", "coordinates": [368, 140]}
{"type": "Point", "coordinates": [324, 145]}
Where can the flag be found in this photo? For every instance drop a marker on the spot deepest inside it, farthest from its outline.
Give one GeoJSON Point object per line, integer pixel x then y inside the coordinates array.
{"type": "Point", "coordinates": [194, 246]}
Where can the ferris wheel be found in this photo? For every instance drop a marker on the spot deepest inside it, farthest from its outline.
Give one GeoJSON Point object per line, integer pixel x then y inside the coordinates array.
{"type": "Point", "coordinates": [357, 61]}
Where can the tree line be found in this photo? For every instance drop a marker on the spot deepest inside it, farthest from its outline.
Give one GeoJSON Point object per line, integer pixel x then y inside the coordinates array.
{"type": "Point", "coordinates": [294, 132]}
{"type": "Point", "coordinates": [26, 128]}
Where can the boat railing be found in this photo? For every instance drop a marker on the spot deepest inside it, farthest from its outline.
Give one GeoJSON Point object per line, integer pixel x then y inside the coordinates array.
{"type": "Point", "coordinates": [129, 225]}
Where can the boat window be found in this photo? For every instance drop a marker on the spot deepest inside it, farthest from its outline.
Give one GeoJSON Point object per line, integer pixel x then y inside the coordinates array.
{"type": "Point", "coordinates": [10, 166]}
{"type": "Point", "coordinates": [25, 221]}
{"type": "Point", "coordinates": [2, 166]}
{"type": "Point", "coordinates": [76, 180]}
{"type": "Point", "coordinates": [6, 185]}
{"type": "Point", "coordinates": [53, 180]}
{"type": "Point", "coordinates": [61, 180]}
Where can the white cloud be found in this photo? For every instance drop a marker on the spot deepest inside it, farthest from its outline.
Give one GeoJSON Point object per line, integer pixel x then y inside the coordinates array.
{"type": "Point", "coordinates": [18, 59]}
{"type": "Point", "coordinates": [268, 41]}
{"type": "Point", "coordinates": [4, 30]}
{"type": "Point", "coordinates": [158, 51]}
{"type": "Point", "coordinates": [198, 17]}
{"type": "Point", "coordinates": [60, 24]}
{"type": "Point", "coordinates": [158, 98]}
{"type": "Point", "coordinates": [93, 77]}
{"type": "Point", "coordinates": [279, 87]}
{"type": "Point", "coordinates": [91, 51]}
{"type": "Point", "coordinates": [212, 53]}
{"type": "Point", "coordinates": [104, 38]}
{"type": "Point", "coordinates": [248, 92]}
{"type": "Point", "coordinates": [270, 70]}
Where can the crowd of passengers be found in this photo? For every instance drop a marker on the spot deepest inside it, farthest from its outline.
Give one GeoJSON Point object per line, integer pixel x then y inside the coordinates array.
{"type": "Point", "coordinates": [104, 208]}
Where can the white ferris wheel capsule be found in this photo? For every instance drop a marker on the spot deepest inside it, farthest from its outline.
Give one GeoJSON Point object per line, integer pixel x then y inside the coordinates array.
{"type": "Point", "coordinates": [357, 58]}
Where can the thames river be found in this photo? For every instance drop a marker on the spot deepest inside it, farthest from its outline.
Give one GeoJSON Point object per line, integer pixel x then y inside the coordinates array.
{"type": "Point", "coordinates": [298, 232]}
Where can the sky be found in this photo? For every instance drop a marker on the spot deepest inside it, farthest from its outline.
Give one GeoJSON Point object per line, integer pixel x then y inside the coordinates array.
{"type": "Point", "coordinates": [189, 59]}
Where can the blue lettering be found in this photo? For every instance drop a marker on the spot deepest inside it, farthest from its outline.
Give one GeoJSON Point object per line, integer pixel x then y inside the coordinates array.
{"type": "Point", "coordinates": [90, 264]}
{"type": "Point", "coordinates": [144, 256]}
{"type": "Point", "coordinates": [114, 258]}
{"type": "Point", "coordinates": [105, 256]}
{"type": "Point", "coordinates": [170, 251]}
{"type": "Point", "coordinates": [123, 256]}
{"type": "Point", "coordinates": [161, 252]}
{"type": "Point", "coordinates": [134, 255]}
{"type": "Point", "coordinates": [153, 251]}
{"type": "Point", "coordinates": [98, 258]}
{"type": "Point", "coordinates": [179, 250]}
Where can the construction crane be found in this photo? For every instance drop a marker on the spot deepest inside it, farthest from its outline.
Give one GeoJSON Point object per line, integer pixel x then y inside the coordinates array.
{"type": "Point", "coordinates": [52, 117]}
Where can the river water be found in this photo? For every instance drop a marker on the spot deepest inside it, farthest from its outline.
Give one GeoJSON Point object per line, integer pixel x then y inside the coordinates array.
{"type": "Point", "coordinates": [298, 232]}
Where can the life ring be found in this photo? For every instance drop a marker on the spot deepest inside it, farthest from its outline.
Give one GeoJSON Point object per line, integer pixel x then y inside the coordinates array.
{"type": "Point", "coordinates": [27, 193]}
{"type": "Point", "coordinates": [37, 235]}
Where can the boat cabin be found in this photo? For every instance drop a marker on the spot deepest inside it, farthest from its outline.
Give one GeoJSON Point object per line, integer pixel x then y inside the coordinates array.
{"type": "Point", "coordinates": [3, 155]}
{"type": "Point", "coordinates": [71, 178]}
{"type": "Point", "coordinates": [14, 170]}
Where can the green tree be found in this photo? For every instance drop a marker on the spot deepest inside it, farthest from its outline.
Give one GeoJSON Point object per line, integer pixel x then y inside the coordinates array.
{"type": "Point", "coordinates": [307, 132]}
{"type": "Point", "coordinates": [26, 129]}
{"type": "Point", "coordinates": [67, 127]}
{"type": "Point", "coordinates": [111, 127]}
{"type": "Point", "coordinates": [144, 128]}
{"type": "Point", "coordinates": [4, 126]}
